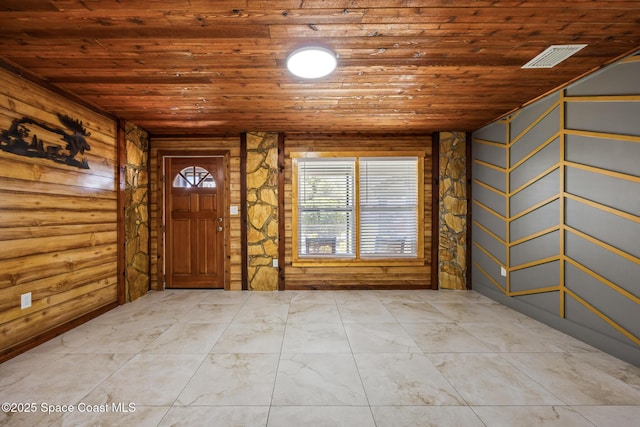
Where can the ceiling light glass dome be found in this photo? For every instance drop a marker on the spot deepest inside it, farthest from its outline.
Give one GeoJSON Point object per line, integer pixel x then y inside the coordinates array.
{"type": "Point", "coordinates": [311, 62]}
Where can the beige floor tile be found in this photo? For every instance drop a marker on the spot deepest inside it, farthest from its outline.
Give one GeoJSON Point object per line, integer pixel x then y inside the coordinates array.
{"type": "Point", "coordinates": [404, 379]}
{"type": "Point", "coordinates": [444, 338]}
{"type": "Point", "coordinates": [148, 379]}
{"type": "Point", "coordinates": [232, 379]}
{"type": "Point", "coordinates": [611, 416]}
{"type": "Point", "coordinates": [187, 338]}
{"type": "Point", "coordinates": [319, 416]}
{"type": "Point", "coordinates": [359, 312]}
{"type": "Point", "coordinates": [320, 358]}
{"type": "Point", "coordinates": [528, 416]}
{"type": "Point", "coordinates": [315, 338]}
{"type": "Point", "coordinates": [487, 379]}
{"type": "Point", "coordinates": [318, 379]}
{"type": "Point", "coordinates": [425, 416]}
{"type": "Point", "coordinates": [574, 379]}
{"type": "Point", "coordinates": [236, 416]}
{"type": "Point", "coordinates": [251, 338]}
{"type": "Point", "coordinates": [108, 415]}
{"type": "Point", "coordinates": [380, 338]}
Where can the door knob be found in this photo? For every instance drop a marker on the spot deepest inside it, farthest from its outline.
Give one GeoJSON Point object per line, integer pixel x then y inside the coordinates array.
{"type": "Point", "coordinates": [219, 228]}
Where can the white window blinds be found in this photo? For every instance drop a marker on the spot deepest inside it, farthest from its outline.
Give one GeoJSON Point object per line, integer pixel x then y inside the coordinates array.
{"type": "Point", "coordinates": [388, 207]}
{"type": "Point", "coordinates": [326, 207]}
{"type": "Point", "coordinates": [362, 208]}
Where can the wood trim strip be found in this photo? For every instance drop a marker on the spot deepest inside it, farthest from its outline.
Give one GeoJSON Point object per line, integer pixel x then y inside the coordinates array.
{"type": "Point", "coordinates": [562, 220]}
{"type": "Point", "coordinates": [603, 135]}
{"type": "Point", "coordinates": [602, 279]}
{"type": "Point", "coordinates": [534, 291]}
{"type": "Point", "coordinates": [606, 172]}
{"type": "Point", "coordinates": [490, 188]}
{"type": "Point", "coordinates": [602, 207]}
{"type": "Point", "coordinates": [603, 245]}
{"type": "Point", "coordinates": [487, 253]}
{"type": "Point", "coordinates": [357, 154]}
{"type": "Point", "coordinates": [121, 262]}
{"type": "Point", "coordinates": [535, 263]}
{"type": "Point", "coordinates": [536, 151]}
{"type": "Point", "coordinates": [243, 213]}
{"type": "Point", "coordinates": [534, 123]}
{"type": "Point", "coordinates": [435, 210]}
{"type": "Point", "coordinates": [469, 170]}
{"type": "Point", "coordinates": [604, 317]}
{"type": "Point", "coordinates": [491, 143]}
{"type": "Point", "coordinates": [491, 279]}
{"type": "Point", "coordinates": [534, 235]}
{"type": "Point", "coordinates": [507, 202]}
{"type": "Point", "coordinates": [490, 165]}
{"type": "Point", "coordinates": [534, 207]}
{"type": "Point", "coordinates": [491, 211]}
{"type": "Point", "coordinates": [491, 233]}
{"type": "Point", "coordinates": [281, 214]}
{"type": "Point", "coordinates": [602, 98]}
{"type": "Point", "coordinates": [535, 179]}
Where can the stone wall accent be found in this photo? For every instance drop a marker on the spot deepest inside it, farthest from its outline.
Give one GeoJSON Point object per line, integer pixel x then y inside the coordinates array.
{"type": "Point", "coordinates": [136, 212]}
{"type": "Point", "coordinates": [262, 211]}
{"type": "Point", "coordinates": [452, 262]}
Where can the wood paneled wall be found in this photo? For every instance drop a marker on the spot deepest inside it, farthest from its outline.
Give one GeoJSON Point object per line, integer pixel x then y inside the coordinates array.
{"type": "Point", "coordinates": [58, 225]}
{"type": "Point", "coordinates": [366, 276]}
{"type": "Point", "coordinates": [182, 146]}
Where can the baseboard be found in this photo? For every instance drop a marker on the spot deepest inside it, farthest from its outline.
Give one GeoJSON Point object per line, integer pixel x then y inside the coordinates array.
{"type": "Point", "coordinates": [22, 347]}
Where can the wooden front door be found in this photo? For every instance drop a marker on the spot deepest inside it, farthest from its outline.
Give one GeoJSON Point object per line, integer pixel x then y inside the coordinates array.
{"type": "Point", "coordinates": [194, 192]}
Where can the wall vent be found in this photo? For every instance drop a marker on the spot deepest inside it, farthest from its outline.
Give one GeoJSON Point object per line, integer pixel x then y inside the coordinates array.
{"type": "Point", "coordinates": [553, 55]}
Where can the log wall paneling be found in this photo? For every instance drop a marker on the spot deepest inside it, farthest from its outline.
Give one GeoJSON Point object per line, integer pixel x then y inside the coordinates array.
{"type": "Point", "coordinates": [58, 222]}
{"type": "Point", "coordinates": [177, 146]}
{"type": "Point", "coordinates": [555, 205]}
{"type": "Point", "coordinates": [379, 276]}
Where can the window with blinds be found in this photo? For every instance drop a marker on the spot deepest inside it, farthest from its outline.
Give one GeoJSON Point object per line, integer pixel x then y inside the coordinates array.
{"type": "Point", "coordinates": [326, 207]}
{"type": "Point", "coordinates": [388, 207]}
{"type": "Point", "coordinates": [358, 208]}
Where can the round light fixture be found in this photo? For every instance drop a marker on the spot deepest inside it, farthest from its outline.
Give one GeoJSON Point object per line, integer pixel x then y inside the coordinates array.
{"type": "Point", "coordinates": [311, 62]}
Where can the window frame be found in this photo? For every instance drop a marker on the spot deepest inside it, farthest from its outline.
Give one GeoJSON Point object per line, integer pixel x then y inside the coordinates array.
{"type": "Point", "coordinates": [358, 259]}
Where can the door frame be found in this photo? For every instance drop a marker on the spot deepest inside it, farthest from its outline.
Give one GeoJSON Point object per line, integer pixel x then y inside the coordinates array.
{"type": "Point", "coordinates": [161, 231]}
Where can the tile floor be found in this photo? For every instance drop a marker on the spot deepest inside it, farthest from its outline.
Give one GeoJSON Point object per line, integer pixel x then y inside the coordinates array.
{"type": "Point", "coordinates": [318, 358]}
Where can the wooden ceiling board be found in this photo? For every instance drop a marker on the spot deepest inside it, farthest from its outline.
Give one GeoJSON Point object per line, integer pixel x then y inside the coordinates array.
{"type": "Point", "coordinates": [216, 67]}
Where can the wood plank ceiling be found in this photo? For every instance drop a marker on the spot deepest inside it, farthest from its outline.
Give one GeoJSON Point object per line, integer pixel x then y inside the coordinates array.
{"type": "Point", "coordinates": [217, 67]}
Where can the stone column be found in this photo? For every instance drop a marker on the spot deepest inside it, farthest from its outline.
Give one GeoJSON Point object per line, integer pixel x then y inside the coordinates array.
{"type": "Point", "coordinates": [262, 211]}
{"type": "Point", "coordinates": [137, 272]}
{"type": "Point", "coordinates": [452, 262]}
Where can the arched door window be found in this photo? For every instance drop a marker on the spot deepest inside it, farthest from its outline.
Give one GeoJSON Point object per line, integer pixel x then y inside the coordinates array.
{"type": "Point", "coordinates": [194, 176]}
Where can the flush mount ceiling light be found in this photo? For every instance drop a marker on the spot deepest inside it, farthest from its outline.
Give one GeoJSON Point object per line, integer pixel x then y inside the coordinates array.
{"type": "Point", "coordinates": [311, 62]}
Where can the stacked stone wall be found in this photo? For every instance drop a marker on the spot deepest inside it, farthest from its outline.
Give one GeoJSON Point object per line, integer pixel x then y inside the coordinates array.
{"type": "Point", "coordinates": [262, 211]}
{"type": "Point", "coordinates": [452, 262]}
{"type": "Point", "coordinates": [136, 212]}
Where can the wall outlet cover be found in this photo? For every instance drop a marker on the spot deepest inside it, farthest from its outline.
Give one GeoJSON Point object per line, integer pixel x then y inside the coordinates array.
{"type": "Point", "coordinates": [25, 300]}
{"type": "Point", "coordinates": [503, 272]}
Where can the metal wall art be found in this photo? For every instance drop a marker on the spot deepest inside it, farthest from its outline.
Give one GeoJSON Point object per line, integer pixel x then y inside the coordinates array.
{"type": "Point", "coordinates": [21, 139]}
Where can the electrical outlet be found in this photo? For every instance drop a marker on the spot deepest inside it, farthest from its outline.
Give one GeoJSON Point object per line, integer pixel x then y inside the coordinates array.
{"type": "Point", "coordinates": [503, 272]}
{"type": "Point", "coordinates": [25, 300]}
{"type": "Point", "coordinates": [275, 262]}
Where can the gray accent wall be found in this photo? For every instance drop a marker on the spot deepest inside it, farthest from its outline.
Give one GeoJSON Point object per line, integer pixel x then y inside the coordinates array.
{"type": "Point", "coordinates": [561, 181]}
